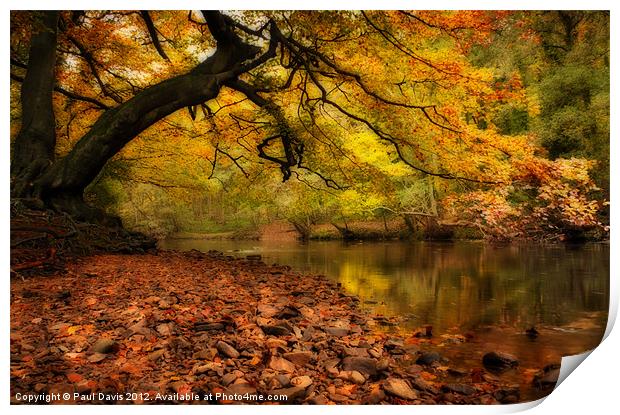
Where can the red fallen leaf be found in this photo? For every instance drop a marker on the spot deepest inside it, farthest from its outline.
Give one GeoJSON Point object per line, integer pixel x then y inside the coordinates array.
{"type": "Point", "coordinates": [20, 372]}
{"type": "Point", "coordinates": [74, 377]}
{"type": "Point", "coordinates": [135, 346]}
{"type": "Point", "coordinates": [131, 369]}
{"type": "Point", "coordinates": [184, 389]}
{"type": "Point", "coordinates": [412, 340]}
{"type": "Point", "coordinates": [217, 390]}
{"type": "Point", "coordinates": [427, 376]}
{"type": "Point", "coordinates": [347, 389]}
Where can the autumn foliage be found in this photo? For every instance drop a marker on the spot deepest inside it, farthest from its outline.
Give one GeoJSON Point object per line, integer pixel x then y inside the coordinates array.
{"type": "Point", "coordinates": [359, 107]}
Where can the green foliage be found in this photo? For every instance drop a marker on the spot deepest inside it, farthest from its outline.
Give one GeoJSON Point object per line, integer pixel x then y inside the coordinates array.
{"type": "Point", "coordinates": [563, 58]}
{"type": "Point", "coordinates": [512, 121]}
{"type": "Point", "coordinates": [503, 108]}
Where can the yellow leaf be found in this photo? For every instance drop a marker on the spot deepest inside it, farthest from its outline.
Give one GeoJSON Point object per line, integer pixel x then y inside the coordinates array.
{"type": "Point", "coordinates": [73, 329]}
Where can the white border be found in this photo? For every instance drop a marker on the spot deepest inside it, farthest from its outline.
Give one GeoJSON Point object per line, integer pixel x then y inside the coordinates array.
{"type": "Point", "coordinates": [591, 389]}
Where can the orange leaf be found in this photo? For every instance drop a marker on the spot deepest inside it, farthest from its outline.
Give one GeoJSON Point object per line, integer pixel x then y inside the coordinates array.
{"type": "Point", "coordinates": [74, 377]}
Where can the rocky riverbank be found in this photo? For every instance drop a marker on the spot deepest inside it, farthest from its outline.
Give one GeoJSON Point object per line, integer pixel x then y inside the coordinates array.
{"type": "Point", "coordinates": [206, 328]}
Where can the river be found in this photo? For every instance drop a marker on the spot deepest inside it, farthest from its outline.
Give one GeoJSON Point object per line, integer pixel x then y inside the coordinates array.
{"type": "Point", "coordinates": [492, 293]}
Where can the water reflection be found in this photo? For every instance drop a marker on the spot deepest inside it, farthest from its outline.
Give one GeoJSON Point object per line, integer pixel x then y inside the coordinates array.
{"type": "Point", "coordinates": [465, 285]}
{"type": "Point", "coordinates": [492, 293]}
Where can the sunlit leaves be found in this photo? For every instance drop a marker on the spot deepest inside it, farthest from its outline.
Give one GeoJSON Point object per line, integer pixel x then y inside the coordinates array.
{"type": "Point", "coordinates": [378, 100]}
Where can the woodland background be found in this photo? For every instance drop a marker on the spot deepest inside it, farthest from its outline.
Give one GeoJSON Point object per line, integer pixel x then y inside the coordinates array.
{"type": "Point", "coordinates": [479, 124]}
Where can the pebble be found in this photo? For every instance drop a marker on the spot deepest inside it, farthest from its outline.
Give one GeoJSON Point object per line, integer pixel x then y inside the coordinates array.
{"type": "Point", "coordinates": [280, 364]}
{"type": "Point", "coordinates": [299, 358]}
{"type": "Point", "coordinates": [499, 361]}
{"type": "Point", "coordinates": [507, 395]}
{"type": "Point", "coordinates": [356, 351]}
{"type": "Point", "coordinates": [272, 343]}
{"type": "Point", "coordinates": [399, 388]}
{"type": "Point", "coordinates": [423, 385]}
{"type": "Point", "coordinates": [459, 388]}
{"type": "Point", "coordinates": [393, 343]}
{"type": "Point", "coordinates": [383, 365]}
{"type": "Point", "coordinates": [241, 389]}
{"type": "Point", "coordinates": [365, 365]}
{"type": "Point", "coordinates": [547, 377]}
{"type": "Point", "coordinates": [154, 356]}
{"type": "Point", "coordinates": [279, 330]}
{"type": "Point", "coordinates": [209, 326]}
{"type": "Point", "coordinates": [428, 358]}
{"type": "Point", "coordinates": [97, 357]}
{"type": "Point", "coordinates": [352, 376]}
{"type": "Point", "coordinates": [292, 394]}
{"type": "Point", "coordinates": [205, 354]}
{"type": "Point", "coordinates": [226, 349]}
{"type": "Point", "coordinates": [337, 397]}
{"type": "Point", "coordinates": [283, 380]}
{"type": "Point", "coordinates": [164, 329]}
{"type": "Point", "coordinates": [337, 331]}
{"type": "Point", "coordinates": [228, 378]}
{"type": "Point", "coordinates": [301, 381]}
{"type": "Point", "coordinates": [105, 345]}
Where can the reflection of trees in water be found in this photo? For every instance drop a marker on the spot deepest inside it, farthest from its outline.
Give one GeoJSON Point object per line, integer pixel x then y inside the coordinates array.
{"type": "Point", "coordinates": [467, 285]}
{"type": "Point", "coordinates": [455, 284]}
{"type": "Point", "coordinates": [474, 284]}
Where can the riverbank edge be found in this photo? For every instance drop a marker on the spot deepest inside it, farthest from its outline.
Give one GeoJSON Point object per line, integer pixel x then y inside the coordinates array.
{"type": "Point", "coordinates": [365, 232]}
{"type": "Point", "coordinates": [349, 360]}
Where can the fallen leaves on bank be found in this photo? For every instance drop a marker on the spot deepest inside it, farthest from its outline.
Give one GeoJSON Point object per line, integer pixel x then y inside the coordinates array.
{"type": "Point", "coordinates": [119, 329]}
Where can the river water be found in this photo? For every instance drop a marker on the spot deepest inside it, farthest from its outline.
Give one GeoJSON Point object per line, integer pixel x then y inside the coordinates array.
{"type": "Point", "coordinates": [492, 293]}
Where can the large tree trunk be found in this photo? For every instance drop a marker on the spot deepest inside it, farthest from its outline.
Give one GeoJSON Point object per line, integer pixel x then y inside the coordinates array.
{"type": "Point", "coordinates": [33, 149]}
{"type": "Point", "coordinates": [61, 186]}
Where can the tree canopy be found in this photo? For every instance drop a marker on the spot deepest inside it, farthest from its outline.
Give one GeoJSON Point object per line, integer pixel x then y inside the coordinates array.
{"type": "Point", "coordinates": [415, 113]}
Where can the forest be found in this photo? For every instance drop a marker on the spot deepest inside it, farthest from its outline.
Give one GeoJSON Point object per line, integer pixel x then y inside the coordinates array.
{"type": "Point", "coordinates": [199, 131]}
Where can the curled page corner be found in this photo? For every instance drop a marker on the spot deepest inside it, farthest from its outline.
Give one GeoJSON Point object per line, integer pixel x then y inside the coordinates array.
{"type": "Point", "coordinates": [569, 364]}
{"type": "Point", "coordinates": [523, 406]}
{"type": "Point", "coordinates": [613, 307]}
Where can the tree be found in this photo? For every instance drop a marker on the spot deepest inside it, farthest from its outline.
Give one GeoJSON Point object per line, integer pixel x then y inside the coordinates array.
{"type": "Point", "coordinates": [563, 59]}
{"type": "Point", "coordinates": [295, 90]}
{"type": "Point", "coordinates": [295, 51]}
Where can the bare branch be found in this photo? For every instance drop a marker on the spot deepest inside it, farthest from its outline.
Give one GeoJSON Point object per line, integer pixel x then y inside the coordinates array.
{"type": "Point", "coordinates": [69, 94]}
{"type": "Point", "coordinates": [92, 64]}
{"type": "Point", "coordinates": [153, 33]}
{"type": "Point", "coordinates": [233, 159]}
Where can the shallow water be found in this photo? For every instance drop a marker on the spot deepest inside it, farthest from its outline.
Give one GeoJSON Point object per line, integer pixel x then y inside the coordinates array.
{"type": "Point", "coordinates": [491, 292]}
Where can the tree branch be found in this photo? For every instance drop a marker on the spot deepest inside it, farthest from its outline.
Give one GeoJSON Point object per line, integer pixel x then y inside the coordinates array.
{"type": "Point", "coordinates": [69, 94]}
{"type": "Point", "coordinates": [153, 33]}
{"type": "Point", "coordinates": [92, 64]}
